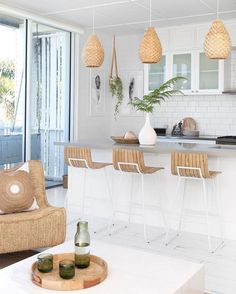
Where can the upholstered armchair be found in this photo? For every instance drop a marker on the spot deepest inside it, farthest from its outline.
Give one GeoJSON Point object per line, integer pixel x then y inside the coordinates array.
{"type": "Point", "coordinates": [42, 227]}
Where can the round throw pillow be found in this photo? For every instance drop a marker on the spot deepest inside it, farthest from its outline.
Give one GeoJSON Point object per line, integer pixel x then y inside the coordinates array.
{"type": "Point", "coordinates": [15, 192]}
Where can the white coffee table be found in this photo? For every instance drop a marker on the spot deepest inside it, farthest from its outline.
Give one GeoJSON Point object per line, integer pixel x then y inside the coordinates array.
{"type": "Point", "coordinates": [130, 271]}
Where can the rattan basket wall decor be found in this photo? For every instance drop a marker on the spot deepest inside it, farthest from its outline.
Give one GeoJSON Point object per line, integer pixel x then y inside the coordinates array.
{"type": "Point", "coordinates": [93, 52]}
{"type": "Point", "coordinates": [217, 44]}
{"type": "Point", "coordinates": [150, 50]}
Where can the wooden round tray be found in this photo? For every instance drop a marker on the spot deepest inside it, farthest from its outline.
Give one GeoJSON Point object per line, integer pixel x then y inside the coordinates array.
{"type": "Point", "coordinates": [122, 140]}
{"type": "Point", "coordinates": [84, 278]}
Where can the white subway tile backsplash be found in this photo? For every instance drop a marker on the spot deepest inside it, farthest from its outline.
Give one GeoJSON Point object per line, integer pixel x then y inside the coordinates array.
{"type": "Point", "coordinates": [214, 114]}
{"type": "Point", "coordinates": [204, 103]}
{"type": "Point", "coordinates": [212, 109]}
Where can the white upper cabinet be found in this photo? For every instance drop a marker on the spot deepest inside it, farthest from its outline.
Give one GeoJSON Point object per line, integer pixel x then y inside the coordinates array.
{"type": "Point", "coordinates": [231, 27]}
{"type": "Point", "coordinates": [181, 39]}
{"type": "Point", "coordinates": [183, 56]}
{"type": "Point", "coordinates": [164, 38]}
{"type": "Point", "coordinates": [201, 32]}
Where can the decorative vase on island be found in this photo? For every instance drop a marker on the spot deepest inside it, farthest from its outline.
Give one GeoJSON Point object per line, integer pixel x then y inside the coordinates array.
{"type": "Point", "coordinates": [82, 245]}
{"type": "Point", "coordinates": [147, 135]}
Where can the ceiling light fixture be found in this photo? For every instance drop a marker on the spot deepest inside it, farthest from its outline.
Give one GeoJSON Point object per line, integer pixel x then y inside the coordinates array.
{"type": "Point", "coordinates": [150, 50]}
{"type": "Point", "coordinates": [217, 44]}
{"type": "Point", "coordinates": [93, 52]}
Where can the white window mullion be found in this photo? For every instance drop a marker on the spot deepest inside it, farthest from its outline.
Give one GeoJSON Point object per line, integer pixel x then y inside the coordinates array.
{"type": "Point", "coordinates": [28, 91]}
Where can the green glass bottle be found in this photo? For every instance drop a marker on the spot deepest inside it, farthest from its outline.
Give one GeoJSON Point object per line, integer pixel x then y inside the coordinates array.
{"type": "Point", "coordinates": [82, 245]}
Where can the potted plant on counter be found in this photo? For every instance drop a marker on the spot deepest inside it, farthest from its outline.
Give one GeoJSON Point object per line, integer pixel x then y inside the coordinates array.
{"type": "Point", "coordinates": [147, 135]}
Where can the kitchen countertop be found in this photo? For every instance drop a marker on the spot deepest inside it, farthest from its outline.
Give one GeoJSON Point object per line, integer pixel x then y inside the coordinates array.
{"type": "Point", "coordinates": [202, 137]}
{"type": "Point", "coordinates": [159, 148]}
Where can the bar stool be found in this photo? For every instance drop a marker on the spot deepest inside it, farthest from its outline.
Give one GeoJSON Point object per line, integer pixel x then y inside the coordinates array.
{"type": "Point", "coordinates": [132, 161]}
{"type": "Point", "coordinates": [194, 166]}
{"type": "Point", "coordinates": [80, 157]}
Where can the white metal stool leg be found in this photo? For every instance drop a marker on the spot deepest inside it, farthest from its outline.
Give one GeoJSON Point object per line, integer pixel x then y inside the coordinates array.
{"type": "Point", "coordinates": [115, 203]}
{"type": "Point", "coordinates": [131, 197]}
{"type": "Point", "coordinates": [219, 212]}
{"type": "Point", "coordinates": [109, 191]}
{"type": "Point", "coordinates": [171, 208]}
{"type": "Point", "coordinates": [161, 205]}
{"type": "Point", "coordinates": [182, 208]}
{"type": "Point", "coordinates": [143, 208]}
{"type": "Point", "coordinates": [207, 213]}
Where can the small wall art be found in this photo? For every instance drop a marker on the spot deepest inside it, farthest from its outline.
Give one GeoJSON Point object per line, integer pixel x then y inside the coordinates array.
{"type": "Point", "coordinates": [132, 87]}
{"type": "Point", "coordinates": [97, 93]}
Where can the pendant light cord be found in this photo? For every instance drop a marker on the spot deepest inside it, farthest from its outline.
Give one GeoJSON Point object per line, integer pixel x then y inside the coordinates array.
{"type": "Point", "coordinates": [217, 8]}
{"type": "Point", "coordinates": [93, 18]}
{"type": "Point", "coordinates": [150, 13]}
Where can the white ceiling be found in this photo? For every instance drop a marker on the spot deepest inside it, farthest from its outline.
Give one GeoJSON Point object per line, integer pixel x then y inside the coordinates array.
{"type": "Point", "coordinates": [122, 16]}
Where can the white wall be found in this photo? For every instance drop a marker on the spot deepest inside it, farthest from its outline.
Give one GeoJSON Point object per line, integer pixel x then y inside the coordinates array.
{"type": "Point", "coordinates": [88, 126]}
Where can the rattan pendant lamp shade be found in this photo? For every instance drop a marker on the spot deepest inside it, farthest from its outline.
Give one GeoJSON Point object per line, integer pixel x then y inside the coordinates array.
{"type": "Point", "coordinates": [150, 50]}
{"type": "Point", "coordinates": [93, 52]}
{"type": "Point", "coordinates": [217, 44]}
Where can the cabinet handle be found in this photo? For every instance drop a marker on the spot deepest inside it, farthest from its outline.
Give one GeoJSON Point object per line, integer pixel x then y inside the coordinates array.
{"type": "Point", "coordinates": [197, 91]}
{"type": "Point", "coordinates": [192, 91]}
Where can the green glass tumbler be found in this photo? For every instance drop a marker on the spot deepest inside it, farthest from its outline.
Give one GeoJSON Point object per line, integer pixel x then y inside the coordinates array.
{"type": "Point", "coordinates": [67, 269]}
{"type": "Point", "coordinates": [45, 262]}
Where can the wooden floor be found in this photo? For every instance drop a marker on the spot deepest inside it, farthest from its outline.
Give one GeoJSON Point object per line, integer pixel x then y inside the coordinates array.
{"type": "Point", "coordinates": [220, 266]}
{"type": "Point", "coordinates": [10, 258]}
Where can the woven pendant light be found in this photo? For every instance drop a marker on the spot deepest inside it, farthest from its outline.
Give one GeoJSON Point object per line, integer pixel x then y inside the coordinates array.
{"type": "Point", "coordinates": [217, 44]}
{"type": "Point", "coordinates": [150, 50]}
{"type": "Point", "coordinates": [93, 52]}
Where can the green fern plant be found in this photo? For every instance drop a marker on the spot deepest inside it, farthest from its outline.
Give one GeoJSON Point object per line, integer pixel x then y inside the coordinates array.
{"type": "Point", "coordinates": [166, 90]}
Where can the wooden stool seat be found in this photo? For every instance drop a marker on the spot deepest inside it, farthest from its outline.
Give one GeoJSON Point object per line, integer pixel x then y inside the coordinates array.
{"type": "Point", "coordinates": [194, 165]}
{"type": "Point", "coordinates": [81, 157]}
{"type": "Point", "coordinates": [214, 174]}
{"type": "Point", "coordinates": [128, 160]}
{"type": "Point", "coordinates": [151, 169]}
{"type": "Point", "coordinates": [98, 165]}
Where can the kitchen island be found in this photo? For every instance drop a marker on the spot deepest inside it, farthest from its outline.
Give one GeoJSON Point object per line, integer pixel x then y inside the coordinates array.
{"type": "Point", "coordinates": [221, 158]}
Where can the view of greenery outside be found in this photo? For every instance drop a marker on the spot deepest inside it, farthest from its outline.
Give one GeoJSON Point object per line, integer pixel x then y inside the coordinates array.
{"type": "Point", "coordinates": [7, 90]}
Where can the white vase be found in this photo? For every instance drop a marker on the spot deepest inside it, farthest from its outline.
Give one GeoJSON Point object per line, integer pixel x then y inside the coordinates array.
{"type": "Point", "coordinates": [147, 135]}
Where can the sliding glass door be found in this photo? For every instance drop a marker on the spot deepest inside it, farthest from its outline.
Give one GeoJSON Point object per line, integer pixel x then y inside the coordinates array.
{"type": "Point", "coordinates": [34, 94]}
{"type": "Point", "coordinates": [50, 97]}
{"type": "Point", "coordinates": [12, 102]}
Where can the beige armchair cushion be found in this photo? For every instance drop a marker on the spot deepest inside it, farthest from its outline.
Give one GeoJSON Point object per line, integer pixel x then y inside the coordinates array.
{"type": "Point", "coordinates": [16, 192]}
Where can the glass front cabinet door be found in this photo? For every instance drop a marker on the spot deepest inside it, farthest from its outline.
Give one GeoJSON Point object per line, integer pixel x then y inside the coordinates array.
{"type": "Point", "coordinates": [155, 74]}
{"type": "Point", "coordinates": [210, 76]}
{"type": "Point", "coordinates": [182, 66]}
